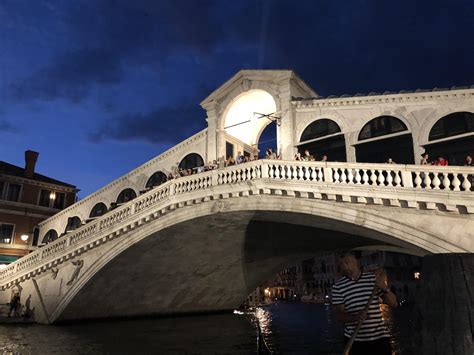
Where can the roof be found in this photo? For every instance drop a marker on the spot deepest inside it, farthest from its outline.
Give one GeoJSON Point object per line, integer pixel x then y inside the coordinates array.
{"type": "Point", "coordinates": [13, 170]}
{"type": "Point", "coordinates": [385, 93]}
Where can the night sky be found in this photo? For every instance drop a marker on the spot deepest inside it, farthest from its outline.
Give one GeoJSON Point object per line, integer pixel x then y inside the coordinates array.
{"type": "Point", "coordinates": [99, 87]}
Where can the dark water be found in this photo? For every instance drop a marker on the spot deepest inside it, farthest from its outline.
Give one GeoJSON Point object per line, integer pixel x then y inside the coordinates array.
{"type": "Point", "coordinates": [289, 328]}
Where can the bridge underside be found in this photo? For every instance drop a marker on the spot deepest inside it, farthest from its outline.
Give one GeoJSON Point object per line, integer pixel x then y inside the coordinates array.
{"type": "Point", "coordinates": [209, 263]}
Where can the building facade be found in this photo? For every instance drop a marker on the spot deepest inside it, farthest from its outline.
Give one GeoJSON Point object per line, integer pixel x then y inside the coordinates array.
{"type": "Point", "coordinates": [27, 198]}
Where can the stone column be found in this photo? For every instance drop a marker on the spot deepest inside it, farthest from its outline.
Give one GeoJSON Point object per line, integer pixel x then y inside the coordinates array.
{"type": "Point", "coordinates": [212, 131]}
{"type": "Point", "coordinates": [446, 304]}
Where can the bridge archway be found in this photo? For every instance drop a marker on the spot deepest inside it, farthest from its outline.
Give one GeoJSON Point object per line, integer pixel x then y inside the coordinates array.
{"type": "Point", "coordinates": [126, 195]}
{"type": "Point", "coordinates": [323, 137]}
{"type": "Point", "coordinates": [382, 138]}
{"type": "Point", "coordinates": [191, 161]}
{"type": "Point", "coordinates": [50, 236]}
{"type": "Point", "coordinates": [98, 210]}
{"type": "Point", "coordinates": [452, 137]}
{"type": "Point", "coordinates": [73, 223]}
{"type": "Point", "coordinates": [219, 230]}
{"type": "Point", "coordinates": [245, 117]}
{"type": "Point", "coordinates": [156, 179]}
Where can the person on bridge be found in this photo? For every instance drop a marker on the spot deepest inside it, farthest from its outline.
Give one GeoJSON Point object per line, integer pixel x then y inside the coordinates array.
{"type": "Point", "coordinates": [350, 295]}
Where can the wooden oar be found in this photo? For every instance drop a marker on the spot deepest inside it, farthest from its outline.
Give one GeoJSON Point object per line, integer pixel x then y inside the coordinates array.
{"type": "Point", "coordinates": [348, 347]}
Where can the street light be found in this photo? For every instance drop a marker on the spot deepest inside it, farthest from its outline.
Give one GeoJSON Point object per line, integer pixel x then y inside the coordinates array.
{"type": "Point", "coordinates": [52, 195]}
{"type": "Point", "coordinates": [24, 237]}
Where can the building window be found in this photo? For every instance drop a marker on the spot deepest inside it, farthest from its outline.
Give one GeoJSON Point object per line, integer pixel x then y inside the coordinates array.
{"type": "Point", "coordinates": [6, 233]}
{"type": "Point", "coordinates": [2, 186]}
{"type": "Point", "coordinates": [58, 202]}
{"type": "Point", "coordinates": [44, 198]}
{"type": "Point", "coordinates": [53, 199]}
{"type": "Point", "coordinates": [13, 192]}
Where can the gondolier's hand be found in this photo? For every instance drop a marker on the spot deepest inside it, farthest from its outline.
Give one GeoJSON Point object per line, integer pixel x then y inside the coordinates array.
{"type": "Point", "coordinates": [380, 279]}
{"type": "Point", "coordinates": [360, 317]}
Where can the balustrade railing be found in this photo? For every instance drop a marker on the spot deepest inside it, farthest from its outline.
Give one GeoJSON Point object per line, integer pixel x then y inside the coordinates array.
{"type": "Point", "coordinates": [411, 177]}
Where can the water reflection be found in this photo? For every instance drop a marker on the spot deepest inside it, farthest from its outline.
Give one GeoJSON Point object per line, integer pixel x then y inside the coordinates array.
{"type": "Point", "coordinates": [287, 327]}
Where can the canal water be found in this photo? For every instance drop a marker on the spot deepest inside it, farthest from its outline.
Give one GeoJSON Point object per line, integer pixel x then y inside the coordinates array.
{"type": "Point", "coordinates": [288, 328]}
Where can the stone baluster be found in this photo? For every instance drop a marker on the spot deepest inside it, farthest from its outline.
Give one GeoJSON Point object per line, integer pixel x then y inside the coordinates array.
{"type": "Point", "coordinates": [373, 177]}
{"type": "Point", "coordinates": [427, 180]}
{"type": "Point", "coordinates": [357, 178]}
{"type": "Point", "coordinates": [343, 176]}
{"type": "Point", "coordinates": [350, 176]}
{"type": "Point", "coordinates": [381, 178]}
{"type": "Point", "coordinates": [436, 182]}
{"type": "Point", "coordinates": [365, 177]}
{"type": "Point", "coordinates": [397, 180]}
{"type": "Point", "coordinates": [336, 175]}
{"type": "Point", "coordinates": [314, 174]}
{"type": "Point", "coordinates": [389, 178]}
{"type": "Point", "coordinates": [466, 184]}
{"type": "Point", "coordinates": [456, 183]}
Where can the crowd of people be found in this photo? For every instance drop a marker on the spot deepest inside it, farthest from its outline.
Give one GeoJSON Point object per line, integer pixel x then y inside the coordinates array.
{"type": "Point", "coordinates": [442, 161]}
{"type": "Point", "coordinates": [273, 155]}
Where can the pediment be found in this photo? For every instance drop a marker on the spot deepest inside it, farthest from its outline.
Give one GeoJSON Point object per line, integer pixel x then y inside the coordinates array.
{"type": "Point", "coordinates": [245, 78]}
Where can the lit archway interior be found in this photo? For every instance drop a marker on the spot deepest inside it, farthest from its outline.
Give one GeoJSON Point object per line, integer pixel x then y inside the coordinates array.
{"type": "Point", "coordinates": [243, 121]}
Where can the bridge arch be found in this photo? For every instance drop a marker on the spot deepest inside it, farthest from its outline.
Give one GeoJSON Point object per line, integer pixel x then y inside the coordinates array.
{"type": "Point", "coordinates": [126, 195]}
{"type": "Point", "coordinates": [156, 179]}
{"type": "Point", "coordinates": [321, 137]}
{"type": "Point", "coordinates": [454, 140]}
{"type": "Point", "coordinates": [190, 161]}
{"type": "Point", "coordinates": [98, 210]}
{"type": "Point", "coordinates": [342, 226]}
{"type": "Point", "coordinates": [385, 137]}
{"type": "Point", "coordinates": [50, 236]}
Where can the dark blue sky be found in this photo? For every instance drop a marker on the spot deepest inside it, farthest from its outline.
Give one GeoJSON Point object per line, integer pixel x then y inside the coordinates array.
{"type": "Point", "coordinates": [98, 87]}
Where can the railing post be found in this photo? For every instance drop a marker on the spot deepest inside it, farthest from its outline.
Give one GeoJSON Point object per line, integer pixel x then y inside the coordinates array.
{"type": "Point", "coordinates": [172, 189]}
{"type": "Point", "coordinates": [327, 174]}
{"type": "Point", "coordinates": [214, 176]}
{"type": "Point", "coordinates": [406, 178]}
{"type": "Point", "coordinates": [264, 167]}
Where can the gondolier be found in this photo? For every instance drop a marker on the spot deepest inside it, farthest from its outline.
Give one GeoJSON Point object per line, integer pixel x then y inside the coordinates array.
{"type": "Point", "coordinates": [350, 297]}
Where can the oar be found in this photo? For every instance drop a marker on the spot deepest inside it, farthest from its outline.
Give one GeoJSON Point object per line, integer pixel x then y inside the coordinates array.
{"type": "Point", "coordinates": [348, 347]}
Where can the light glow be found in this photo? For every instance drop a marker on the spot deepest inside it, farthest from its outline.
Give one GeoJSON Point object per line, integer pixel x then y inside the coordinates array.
{"type": "Point", "coordinates": [24, 237]}
{"type": "Point", "coordinates": [244, 109]}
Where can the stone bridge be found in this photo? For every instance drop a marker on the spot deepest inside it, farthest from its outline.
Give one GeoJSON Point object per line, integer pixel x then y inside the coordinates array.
{"type": "Point", "coordinates": [202, 243]}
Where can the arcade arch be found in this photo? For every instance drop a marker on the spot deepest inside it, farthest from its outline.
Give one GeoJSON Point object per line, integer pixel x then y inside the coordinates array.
{"type": "Point", "coordinates": [323, 137]}
{"type": "Point", "coordinates": [50, 236]}
{"type": "Point", "coordinates": [98, 210]}
{"type": "Point", "coordinates": [382, 138]}
{"type": "Point", "coordinates": [452, 137]}
{"type": "Point", "coordinates": [126, 195]}
{"type": "Point", "coordinates": [156, 179]}
{"type": "Point", "coordinates": [191, 161]}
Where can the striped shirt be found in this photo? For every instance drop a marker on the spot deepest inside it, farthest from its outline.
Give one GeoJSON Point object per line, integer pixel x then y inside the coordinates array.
{"type": "Point", "coordinates": [354, 295]}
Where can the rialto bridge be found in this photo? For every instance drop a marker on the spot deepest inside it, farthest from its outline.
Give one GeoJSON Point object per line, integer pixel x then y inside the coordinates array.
{"type": "Point", "coordinates": [142, 245]}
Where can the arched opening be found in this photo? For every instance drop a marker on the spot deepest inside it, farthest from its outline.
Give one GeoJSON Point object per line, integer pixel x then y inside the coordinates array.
{"type": "Point", "coordinates": [50, 236]}
{"type": "Point", "coordinates": [267, 140]}
{"type": "Point", "coordinates": [73, 223]}
{"type": "Point", "coordinates": [385, 138]}
{"type": "Point", "coordinates": [453, 137]}
{"type": "Point", "coordinates": [191, 161]}
{"type": "Point", "coordinates": [98, 210]}
{"type": "Point", "coordinates": [246, 116]}
{"type": "Point", "coordinates": [126, 195]}
{"type": "Point", "coordinates": [323, 137]}
{"type": "Point", "coordinates": [156, 179]}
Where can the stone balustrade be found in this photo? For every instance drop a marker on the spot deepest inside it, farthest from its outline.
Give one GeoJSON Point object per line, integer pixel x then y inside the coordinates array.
{"type": "Point", "coordinates": [410, 180]}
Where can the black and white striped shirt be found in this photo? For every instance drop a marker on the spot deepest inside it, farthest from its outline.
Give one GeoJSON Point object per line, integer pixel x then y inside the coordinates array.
{"type": "Point", "coordinates": [354, 295]}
